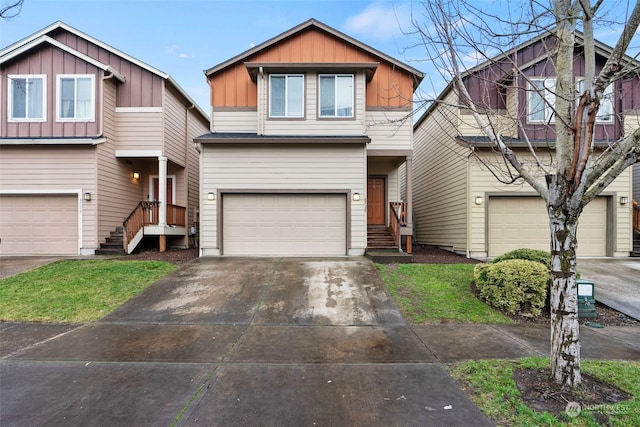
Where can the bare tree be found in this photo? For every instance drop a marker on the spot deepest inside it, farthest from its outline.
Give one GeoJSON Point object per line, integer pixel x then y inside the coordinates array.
{"type": "Point", "coordinates": [11, 9]}
{"type": "Point", "coordinates": [572, 173]}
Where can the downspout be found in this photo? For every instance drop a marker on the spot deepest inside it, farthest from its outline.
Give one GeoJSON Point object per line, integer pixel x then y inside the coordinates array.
{"type": "Point", "coordinates": [261, 102]}
{"type": "Point", "coordinates": [468, 205]}
{"type": "Point", "coordinates": [187, 168]}
{"type": "Point", "coordinates": [101, 119]}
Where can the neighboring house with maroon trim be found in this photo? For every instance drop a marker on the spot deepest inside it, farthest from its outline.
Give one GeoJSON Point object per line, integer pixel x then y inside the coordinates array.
{"type": "Point", "coordinates": [458, 202]}
{"type": "Point", "coordinates": [308, 135]}
{"type": "Point", "coordinates": [90, 136]}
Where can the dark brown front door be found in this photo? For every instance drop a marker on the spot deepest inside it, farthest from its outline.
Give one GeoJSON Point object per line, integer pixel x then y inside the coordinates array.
{"type": "Point", "coordinates": [375, 201]}
{"type": "Point", "coordinates": [156, 190]}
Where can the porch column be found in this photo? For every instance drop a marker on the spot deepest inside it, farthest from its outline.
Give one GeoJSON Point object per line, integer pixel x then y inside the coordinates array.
{"type": "Point", "coordinates": [409, 212]}
{"type": "Point", "coordinates": [162, 199]}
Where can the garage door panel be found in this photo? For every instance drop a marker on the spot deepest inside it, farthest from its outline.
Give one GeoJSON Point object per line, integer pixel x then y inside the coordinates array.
{"type": "Point", "coordinates": [39, 225]}
{"type": "Point", "coordinates": [522, 222]}
{"type": "Point", "coordinates": [284, 224]}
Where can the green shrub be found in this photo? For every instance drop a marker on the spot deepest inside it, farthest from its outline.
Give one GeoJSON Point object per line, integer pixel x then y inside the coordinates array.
{"type": "Point", "coordinates": [515, 286]}
{"type": "Point", "coordinates": [536, 255]}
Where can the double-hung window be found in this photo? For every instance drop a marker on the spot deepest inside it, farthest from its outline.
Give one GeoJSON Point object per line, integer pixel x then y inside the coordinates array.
{"type": "Point", "coordinates": [27, 98]}
{"type": "Point", "coordinates": [76, 99]}
{"type": "Point", "coordinates": [286, 95]}
{"type": "Point", "coordinates": [605, 112]}
{"type": "Point", "coordinates": [336, 95]}
{"type": "Point", "coordinates": [541, 100]}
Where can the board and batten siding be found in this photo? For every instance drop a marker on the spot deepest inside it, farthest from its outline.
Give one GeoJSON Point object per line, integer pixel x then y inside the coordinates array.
{"type": "Point", "coordinates": [118, 194]}
{"type": "Point", "coordinates": [440, 200]}
{"type": "Point", "coordinates": [484, 184]}
{"type": "Point", "coordinates": [50, 170]}
{"type": "Point", "coordinates": [282, 168]}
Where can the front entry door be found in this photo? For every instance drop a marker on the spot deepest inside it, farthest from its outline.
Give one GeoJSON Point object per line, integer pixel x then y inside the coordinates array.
{"type": "Point", "coordinates": [375, 201]}
{"type": "Point", "coordinates": [156, 188]}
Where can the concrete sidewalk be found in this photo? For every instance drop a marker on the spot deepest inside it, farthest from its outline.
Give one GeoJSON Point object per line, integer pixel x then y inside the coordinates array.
{"type": "Point", "coordinates": [261, 342]}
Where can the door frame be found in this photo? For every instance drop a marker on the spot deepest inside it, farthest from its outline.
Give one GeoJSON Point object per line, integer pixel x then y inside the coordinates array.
{"type": "Point", "coordinates": [384, 201]}
{"type": "Point", "coordinates": [152, 187]}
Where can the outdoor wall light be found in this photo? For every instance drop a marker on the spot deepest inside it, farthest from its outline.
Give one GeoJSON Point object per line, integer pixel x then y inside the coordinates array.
{"type": "Point", "coordinates": [87, 197]}
{"type": "Point", "coordinates": [211, 195]}
{"type": "Point", "coordinates": [356, 197]}
{"type": "Point", "coordinates": [479, 200]}
{"type": "Point", "coordinates": [136, 175]}
{"type": "Point", "coordinates": [624, 200]}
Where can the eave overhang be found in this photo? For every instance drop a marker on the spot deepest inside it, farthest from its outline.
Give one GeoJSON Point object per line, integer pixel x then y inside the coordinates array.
{"type": "Point", "coordinates": [254, 138]}
{"type": "Point", "coordinates": [52, 141]}
{"type": "Point", "coordinates": [369, 68]}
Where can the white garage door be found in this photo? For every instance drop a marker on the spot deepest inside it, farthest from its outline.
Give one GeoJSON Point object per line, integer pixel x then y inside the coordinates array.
{"type": "Point", "coordinates": [38, 225]}
{"type": "Point", "coordinates": [284, 224]}
{"type": "Point", "coordinates": [522, 222]}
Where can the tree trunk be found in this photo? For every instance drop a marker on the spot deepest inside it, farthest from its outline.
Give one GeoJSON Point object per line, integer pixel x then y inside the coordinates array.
{"type": "Point", "coordinates": [565, 345]}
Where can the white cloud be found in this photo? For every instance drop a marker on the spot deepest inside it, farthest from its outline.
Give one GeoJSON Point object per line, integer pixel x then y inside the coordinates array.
{"type": "Point", "coordinates": [381, 21]}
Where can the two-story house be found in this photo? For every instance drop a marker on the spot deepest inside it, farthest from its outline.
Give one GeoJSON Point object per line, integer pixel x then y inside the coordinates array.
{"type": "Point", "coordinates": [309, 133]}
{"type": "Point", "coordinates": [92, 140]}
{"type": "Point", "coordinates": [462, 199]}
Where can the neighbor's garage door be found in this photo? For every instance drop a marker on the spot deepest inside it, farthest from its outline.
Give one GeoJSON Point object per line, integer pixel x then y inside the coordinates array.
{"type": "Point", "coordinates": [284, 224]}
{"type": "Point", "coordinates": [38, 225]}
{"type": "Point", "coordinates": [522, 222]}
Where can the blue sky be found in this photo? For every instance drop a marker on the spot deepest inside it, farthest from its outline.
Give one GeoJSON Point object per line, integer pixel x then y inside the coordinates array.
{"type": "Point", "coordinates": [185, 37]}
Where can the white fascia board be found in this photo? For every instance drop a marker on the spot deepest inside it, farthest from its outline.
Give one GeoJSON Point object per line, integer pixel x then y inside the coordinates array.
{"type": "Point", "coordinates": [138, 153]}
{"type": "Point", "coordinates": [52, 141]}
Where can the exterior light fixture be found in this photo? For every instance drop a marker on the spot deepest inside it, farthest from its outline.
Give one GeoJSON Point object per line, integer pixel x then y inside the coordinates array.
{"type": "Point", "coordinates": [136, 175]}
{"type": "Point", "coordinates": [624, 200]}
{"type": "Point", "coordinates": [356, 197]}
{"type": "Point", "coordinates": [211, 195]}
{"type": "Point", "coordinates": [479, 200]}
{"type": "Point", "coordinates": [87, 196]}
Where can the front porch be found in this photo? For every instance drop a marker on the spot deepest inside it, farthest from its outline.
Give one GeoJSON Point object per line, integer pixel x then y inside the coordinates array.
{"type": "Point", "coordinates": [147, 219]}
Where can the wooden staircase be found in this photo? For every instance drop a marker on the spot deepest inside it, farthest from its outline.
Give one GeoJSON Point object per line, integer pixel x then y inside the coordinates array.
{"type": "Point", "coordinates": [380, 237]}
{"type": "Point", "coordinates": [113, 244]}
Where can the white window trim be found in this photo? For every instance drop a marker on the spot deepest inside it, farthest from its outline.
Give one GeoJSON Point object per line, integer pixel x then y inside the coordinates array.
{"type": "Point", "coordinates": [607, 96]}
{"type": "Point", "coordinates": [10, 79]}
{"type": "Point", "coordinates": [92, 115]}
{"type": "Point", "coordinates": [286, 98]}
{"type": "Point", "coordinates": [353, 106]}
{"type": "Point", "coordinates": [550, 97]}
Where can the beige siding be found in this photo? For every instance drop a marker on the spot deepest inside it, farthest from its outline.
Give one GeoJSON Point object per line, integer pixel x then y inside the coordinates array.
{"type": "Point", "coordinates": [282, 168]}
{"type": "Point", "coordinates": [174, 128]}
{"type": "Point", "coordinates": [195, 128]}
{"type": "Point", "coordinates": [440, 201]}
{"type": "Point", "coordinates": [52, 170]}
{"type": "Point", "coordinates": [636, 182]}
{"type": "Point", "coordinates": [311, 124]}
{"type": "Point", "coordinates": [504, 125]}
{"type": "Point", "coordinates": [139, 130]}
{"type": "Point", "coordinates": [389, 130]}
{"type": "Point", "coordinates": [234, 121]}
{"type": "Point", "coordinates": [118, 192]}
{"type": "Point", "coordinates": [484, 183]}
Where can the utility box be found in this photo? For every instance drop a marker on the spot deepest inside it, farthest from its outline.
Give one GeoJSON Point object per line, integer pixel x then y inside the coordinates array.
{"type": "Point", "coordinates": [586, 299]}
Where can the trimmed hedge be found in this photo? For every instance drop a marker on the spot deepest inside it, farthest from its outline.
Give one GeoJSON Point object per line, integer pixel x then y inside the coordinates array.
{"type": "Point", "coordinates": [536, 255]}
{"type": "Point", "coordinates": [515, 286]}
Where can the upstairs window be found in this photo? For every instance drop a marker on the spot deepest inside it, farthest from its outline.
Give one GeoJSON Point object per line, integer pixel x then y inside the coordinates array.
{"type": "Point", "coordinates": [336, 95]}
{"type": "Point", "coordinates": [76, 101]}
{"type": "Point", "coordinates": [541, 100]}
{"type": "Point", "coordinates": [27, 98]}
{"type": "Point", "coordinates": [286, 95]}
{"type": "Point", "coordinates": [605, 112]}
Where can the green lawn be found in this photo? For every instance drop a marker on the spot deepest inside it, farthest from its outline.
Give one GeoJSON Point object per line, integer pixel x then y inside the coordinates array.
{"type": "Point", "coordinates": [491, 386]}
{"type": "Point", "coordinates": [432, 293]}
{"type": "Point", "coordinates": [75, 291]}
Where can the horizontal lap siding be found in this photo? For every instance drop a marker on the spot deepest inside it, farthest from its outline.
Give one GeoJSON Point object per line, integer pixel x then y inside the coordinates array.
{"type": "Point", "coordinates": [283, 168]}
{"type": "Point", "coordinates": [389, 130]}
{"type": "Point", "coordinates": [234, 121]}
{"type": "Point", "coordinates": [139, 130]}
{"type": "Point", "coordinates": [174, 129]}
{"type": "Point", "coordinates": [440, 181]}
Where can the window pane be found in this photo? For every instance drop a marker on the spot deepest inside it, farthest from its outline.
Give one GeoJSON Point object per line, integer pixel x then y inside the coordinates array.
{"type": "Point", "coordinates": [294, 96]}
{"type": "Point", "coordinates": [536, 101]}
{"type": "Point", "coordinates": [36, 105]}
{"type": "Point", "coordinates": [19, 98]}
{"type": "Point", "coordinates": [327, 96]}
{"type": "Point", "coordinates": [83, 98]}
{"type": "Point", "coordinates": [277, 96]}
{"type": "Point", "coordinates": [67, 107]}
{"type": "Point", "coordinates": [605, 112]}
{"type": "Point", "coordinates": [344, 105]}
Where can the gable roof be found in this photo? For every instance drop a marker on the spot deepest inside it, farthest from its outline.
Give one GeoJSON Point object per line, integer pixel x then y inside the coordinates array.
{"type": "Point", "coordinates": [600, 48]}
{"type": "Point", "coordinates": [313, 23]}
{"type": "Point", "coordinates": [42, 36]}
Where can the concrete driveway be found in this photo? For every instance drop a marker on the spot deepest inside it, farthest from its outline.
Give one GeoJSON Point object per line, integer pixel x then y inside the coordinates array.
{"type": "Point", "coordinates": [616, 282]}
{"type": "Point", "coordinates": [224, 342]}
